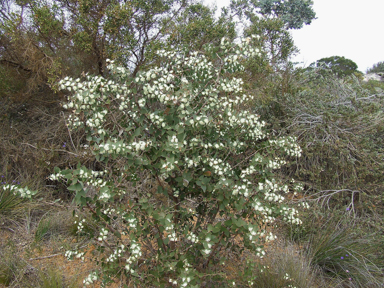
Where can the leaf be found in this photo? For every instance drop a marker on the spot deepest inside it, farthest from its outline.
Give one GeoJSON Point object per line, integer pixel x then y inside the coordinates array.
{"type": "Point", "coordinates": [208, 173]}
{"type": "Point", "coordinates": [76, 187]}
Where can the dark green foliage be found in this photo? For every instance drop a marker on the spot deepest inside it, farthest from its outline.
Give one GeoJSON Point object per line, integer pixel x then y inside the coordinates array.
{"type": "Point", "coordinates": [197, 26]}
{"type": "Point", "coordinates": [294, 13]}
{"type": "Point", "coordinates": [339, 65]}
{"type": "Point", "coordinates": [376, 68]}
{"type": "Point", "coordinates": [339, 126]}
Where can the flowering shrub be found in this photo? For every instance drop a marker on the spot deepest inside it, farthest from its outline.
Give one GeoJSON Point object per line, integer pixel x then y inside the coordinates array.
{"type": "Point", "coordinates": [182, 129]}
{"type": "Point", "coordinates": [22, 192]}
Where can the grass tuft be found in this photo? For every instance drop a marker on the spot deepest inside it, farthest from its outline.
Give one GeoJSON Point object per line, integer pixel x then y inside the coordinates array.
{"type": "Point", "coordinates": [344, 254]}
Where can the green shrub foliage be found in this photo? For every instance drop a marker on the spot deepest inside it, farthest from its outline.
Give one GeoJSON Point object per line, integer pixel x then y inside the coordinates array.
{"type": "Point", "coordinates": [186, 168]}
{"type": "Point", "coordinates": [339, 65]}
{"type": "Point", "coordinates": [339, 125]}
{"type": "Point", "coordinates": [377, 68]}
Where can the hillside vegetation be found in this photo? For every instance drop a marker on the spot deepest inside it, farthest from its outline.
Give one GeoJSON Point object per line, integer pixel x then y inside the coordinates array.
{"type": "Point", "coordinates": [150, 144]}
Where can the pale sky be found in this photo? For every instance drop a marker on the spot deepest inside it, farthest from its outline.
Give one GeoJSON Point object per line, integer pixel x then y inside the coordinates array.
{"type": "Point", "coordinates": [349, 28]}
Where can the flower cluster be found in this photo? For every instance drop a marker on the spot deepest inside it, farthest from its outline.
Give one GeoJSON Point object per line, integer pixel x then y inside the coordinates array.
{"type": "Point", "coordinates": [132, 221]}
{"type": "Point", "coordinates": [22, 192]}
{"type": "Point", "coordinates": [74, 254]}
{"type": "Point", "coordinates": [290, 215]}
{"type": "Point", "coordinates": [119, 147]}
{"type": "Point", "coordinates": [103, 234]}
{"type": "Point", "coordinates": [80, 224]}
{"type": "Point", "coordinates": [184, 124]}
{"type": "Point", "coordinates": [192, 237]}
{"type": "Point", "coordinates": [116, 254]}
{"type": "Point", "coordinates": [135, 253]}
{"type": "Point", "coordinates": [207, 245]}
{"type": "Point", "coordinates": [90, 279]}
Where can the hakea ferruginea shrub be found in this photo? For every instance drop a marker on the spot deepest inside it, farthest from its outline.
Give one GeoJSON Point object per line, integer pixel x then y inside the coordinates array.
{"type": "Point", "coordinates": [183, 124]}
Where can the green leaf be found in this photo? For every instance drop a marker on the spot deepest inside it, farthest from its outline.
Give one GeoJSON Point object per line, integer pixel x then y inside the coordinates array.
{"type": "Point", "coordinates": [76, 187]}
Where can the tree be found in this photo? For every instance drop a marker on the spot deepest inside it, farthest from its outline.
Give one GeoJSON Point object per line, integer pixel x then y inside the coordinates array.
{"type": "Point", "coordinates": [197, 26]}
{"type": "Point", "coordinates": [339, 65]}
{"type": "Point", "coordinates": [376, 68]}
{"type": "Point", "coordinates": [46, 39]}
{"type": "Point", "coordinates": [294, 13]}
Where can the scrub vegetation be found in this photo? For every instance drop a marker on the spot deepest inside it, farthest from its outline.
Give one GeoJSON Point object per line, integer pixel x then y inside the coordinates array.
{"type": "Point", "coordinates": [153, 144]}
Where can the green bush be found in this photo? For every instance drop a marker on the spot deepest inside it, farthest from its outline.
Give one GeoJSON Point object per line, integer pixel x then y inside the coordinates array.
{"type": "Point", "coordinates": [339, 125]}
{"type": "Point", "coordinates": [184, 169]}
{"type": "Point", "coordinates": [376, 68]}
{"type": "Point", "coordinates": [338, 65]}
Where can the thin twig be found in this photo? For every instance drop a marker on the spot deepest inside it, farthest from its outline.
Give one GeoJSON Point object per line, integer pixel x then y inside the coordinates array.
{"type": "Point", "coordinates": [45, 257]}
{"type": "Point", "coordinates": [7, 228]}
{"type": "Point", "coordinates": [69, 132]}
{"type": "Point", "coordinates": [59, 150]}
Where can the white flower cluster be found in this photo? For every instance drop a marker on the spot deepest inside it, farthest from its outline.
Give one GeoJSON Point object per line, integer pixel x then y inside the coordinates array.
{"type": "Point", "coordinates": [299, 187]}
{"type": "Point", "coordinates": [158, 120]}
{"type": "Point", "coordinates": [242, 190]}
{"type": "Point", "coordinates": [185, 281]}
{"type": "Point", "coordinates": [174, 142]}
{"type": "Point", "coordinates": [74, 254]}
{"type": "Point", "coordinates": [242, 50]}
{"type": "Point", "coordinates": [258, 206]}
{"type": "Point", "coordinates": [132, 221]}
{"type": "Point", "coordinates": [116, 254]}
{"type": "Point", "coordinates": [276, 163]}
{"type": "Point", "coordinates": [305, 205]}
{"type": "Point", "coordinates": [234, 85]}
{"type": "Point", "coordinates": [207, 245]}
{"type": "Point", "coordinates": [260, 252]}
{"type": "Point", "coordinates": [273, 197]}
{"type": "Point", "coordinates": [19, 191]}
{"type": "Point", "coordinates": [201, 120]}
{"type": "Point", "coordinates": [192, 162]}
{"type": "Point", "coordinates": [105, 194]}
{"type": "Point", "coordinates": [291, 215]}
{"type": "Point", "coordinates": [219, 167]}
{"type": "Point", "coordinates": [103, 234]}
{"type": "Point", "coordinates": [185, 275]}
{"type": "Point", "coordinates": [80, 224]}
{"type": "Point", "coordinates": [246, 122]}
{"type": "Point", "coordinates": [170, 229]}
{"type": "Point", "coordinates": [168, 166]}
{"type": "Point", "coordinates": [90, 279]}
{"type": "Point", "coordinates": [253, 235]}
{"type": "Point", "coordinates": [289, 144]}
{"type": "Point", "coordinates": [119, 147]}
{"type": "Point", "coordinates": [192, 237]}
{"type": "Point", "coordinates": [55, 177]}
{"type": "Point", "coordinates": [194, 142]}
{"type": "Point", "coordinates": [270, 189]}
{"type": "Point", "coordinates": [248, 171]}
{"type": "Point", "coordinates": [270, 237]}
{"type": "Point", "coordinates": [87, 95]}
{"type": "Point", "coordinates": [264, 210]}
{"type": "Point", "coordinates": [110, 211]}
{"type": "Point", "coordinates": [135, 253]}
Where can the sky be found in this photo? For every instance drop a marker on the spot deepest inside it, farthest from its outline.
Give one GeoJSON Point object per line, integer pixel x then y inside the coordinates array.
{"type": "Point", "coordinates": [349, 28]}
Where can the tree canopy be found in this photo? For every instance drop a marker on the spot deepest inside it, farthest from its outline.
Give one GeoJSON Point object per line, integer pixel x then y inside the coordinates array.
{"type": "Point", "coordinates": [294, 13]}
{"type": "Point", "coordinates": [339, 65]}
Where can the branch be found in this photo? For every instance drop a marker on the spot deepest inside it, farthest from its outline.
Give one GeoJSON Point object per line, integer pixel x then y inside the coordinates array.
{"type": "Point", "coordinates": [45, 257]}
{"type": "Point", "coordinates": [14, 64]}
